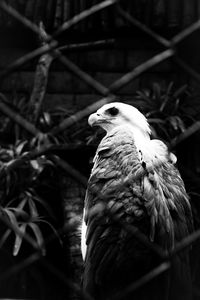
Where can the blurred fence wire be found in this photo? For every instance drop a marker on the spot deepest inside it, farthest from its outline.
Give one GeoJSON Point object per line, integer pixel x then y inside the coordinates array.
{"type": "Point", "coordinates": [106, 94]}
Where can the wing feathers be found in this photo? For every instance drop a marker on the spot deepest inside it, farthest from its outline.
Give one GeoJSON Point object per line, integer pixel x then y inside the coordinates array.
{"type": "Point", "coordinates": [153, 199]}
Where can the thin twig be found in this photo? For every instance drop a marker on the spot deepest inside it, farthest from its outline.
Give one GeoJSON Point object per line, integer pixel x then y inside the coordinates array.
{"type": "Point", "coordinates": [40, 80]}
{"type": "Point", "coordinates": [86, 46]}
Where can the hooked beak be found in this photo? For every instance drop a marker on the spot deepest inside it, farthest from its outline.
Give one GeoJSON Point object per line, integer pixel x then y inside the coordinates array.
{"type": "Point", "coordinates": [98, 119]}
{"type": "Point", "coordinates": [94, 119]}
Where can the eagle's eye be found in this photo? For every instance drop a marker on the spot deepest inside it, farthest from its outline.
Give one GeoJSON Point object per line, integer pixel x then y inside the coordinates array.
{"type": "Point", "coordinates": [113, 111]}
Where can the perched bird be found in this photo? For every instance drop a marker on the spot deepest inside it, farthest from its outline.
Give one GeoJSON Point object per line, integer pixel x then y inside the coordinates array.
{"type": "Point", "coordinates": [133, 184]}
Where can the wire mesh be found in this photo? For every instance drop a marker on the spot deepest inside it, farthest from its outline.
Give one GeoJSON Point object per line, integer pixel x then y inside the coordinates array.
{"type": "Point", "coordinates": [108, 94]}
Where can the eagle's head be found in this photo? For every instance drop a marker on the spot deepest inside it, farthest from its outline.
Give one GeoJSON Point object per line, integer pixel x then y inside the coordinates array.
{"type": "Point", "coordinates": [115, 114]}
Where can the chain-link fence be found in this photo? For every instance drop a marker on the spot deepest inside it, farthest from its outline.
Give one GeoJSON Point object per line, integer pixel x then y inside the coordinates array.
{"type": "Point", "coordinates": [44, 142]}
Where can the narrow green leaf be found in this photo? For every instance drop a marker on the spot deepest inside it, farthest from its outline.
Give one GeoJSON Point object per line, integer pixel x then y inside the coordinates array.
{"type": "Point", "coordinates": [53, 229]}
{"type": "Point", "coordinates": [157, 91]}
{"type": "Point", "coordinates": [47, 207]}
{"type": "Point", "coordinates": [169, 88]}
{"type": "Point", "coordinates": [35, 165]}
{"type": "Point", "coordinates": [47, 118]}
{"type": "Point", "coordinates": [22, 203]}
{"type": "Point", "coordinates": [180, 91]}
{"type": "Point", "coordinates": [156, 121]}
{"type": "Point", "coordinates": [11, 216]}
{"type": "Point", "coordinates": [19, 147]}
{"type": "Point", "coordinates": [20, 212]}
{"type": "Point", "coordinates": [164, 103]}
{"type": "Point", "coordinates": [19, 239]}
{"type": "Point", "coordinates": [39, 237]}
{"type": "Point", "coordinates": [8, 183]}
{"type": "Point", "coordinates": [33, 208]}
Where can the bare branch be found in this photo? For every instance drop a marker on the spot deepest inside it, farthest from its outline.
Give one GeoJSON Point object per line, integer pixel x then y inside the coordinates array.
{"type": "Point", "coordinates": [41, 79]}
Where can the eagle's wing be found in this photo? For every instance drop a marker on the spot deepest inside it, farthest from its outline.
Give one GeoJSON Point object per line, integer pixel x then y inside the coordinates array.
{"type": "Point", "coordinates": [166, 200]}
{"type": "Point", "coordinates": [152, 198]}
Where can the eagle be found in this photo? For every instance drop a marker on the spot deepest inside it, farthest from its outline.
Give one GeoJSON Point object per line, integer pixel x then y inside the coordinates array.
{"type": "Point", "coordinates": [134, 187]}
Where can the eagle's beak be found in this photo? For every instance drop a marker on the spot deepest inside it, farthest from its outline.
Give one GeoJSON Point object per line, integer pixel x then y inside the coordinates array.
{"type": "Point", "coordinates": [93, 119]}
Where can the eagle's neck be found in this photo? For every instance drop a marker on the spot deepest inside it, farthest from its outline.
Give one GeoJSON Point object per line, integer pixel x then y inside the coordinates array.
{"type": "Point", "coordinates": [141, 138]}
{"type": "Point", "coordinates": [142, 142]}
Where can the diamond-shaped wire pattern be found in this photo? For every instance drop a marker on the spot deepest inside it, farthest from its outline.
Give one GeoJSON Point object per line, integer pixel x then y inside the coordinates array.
{"type": "Point", "coordinates": [106, 94]}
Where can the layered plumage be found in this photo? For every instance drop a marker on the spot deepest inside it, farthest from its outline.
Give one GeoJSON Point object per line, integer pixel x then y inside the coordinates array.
{"type": "Point", "coordinates": [133, 181]}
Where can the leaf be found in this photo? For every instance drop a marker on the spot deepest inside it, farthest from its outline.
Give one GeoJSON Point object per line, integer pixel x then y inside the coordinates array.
{"type": "Point", "coordinates": [36, 165]}
{"type": "Point", "coordinates": [176, 105]}
{"type": "Point", "coordinates": [157, 91]}
{"type": "Point", "coordinates": [5, 155]}
{"type": "Point", "coordinates": [47, 118]}
{"type": "Point", "coordinates": [47, 207]}
{"type": "Point", "coordinates": [19, 148]}
{"type": "Point", "coordinates": [151, 113]}
{"type": "Point", "coordinates": [33, 209]}
{"type": "Point", "coordinates": [53, 229]}
{"type": "Point", "coordinates": [144, 97]}
{"type": "Point", "coordinates": [181, 124]}
{"type": "Point", "coordinates": [4, 237]}
{"type": "Point", "coordinates": [164, 103]}
{"type": "Point", "coordinates": [39, 237]}
{"type": "Point", "coordinates": [156, 120]}
{"type": "Point", "coordinates": [22, 203]}
{"type": "Point", "coordinates": [180, 91]}
{"type": "Point", "coordinates": [176, 123]}
{"type": "Point", "coordinates": [16, 227]}
{"type": "Point", "coordinates": [8, 181]}
{"type": "Point", "coordinates": [11, 216]}
{"type": "Point", "coordinates": [20, 213]}
{"type": "Point", "coordinates": [169, 88]}
{"type": "Point", "coordinates": [19, 239]}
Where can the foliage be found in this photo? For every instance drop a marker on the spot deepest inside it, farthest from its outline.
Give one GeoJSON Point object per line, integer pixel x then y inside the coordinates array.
{"type": "Point", "coordinates": [22, 208]}
{"type": "Point", "coordinates": [20, 203]}
{"type": "Point", "coordinates": [77, 135]}
{"type": "Point", "coordinates": [11, 132]}
{"type": "Point", "coordinates": [169, 110]}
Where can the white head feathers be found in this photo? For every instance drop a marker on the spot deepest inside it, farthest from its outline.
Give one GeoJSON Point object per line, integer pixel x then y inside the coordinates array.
{"type": "Point", "coordinates": [116, 114]}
